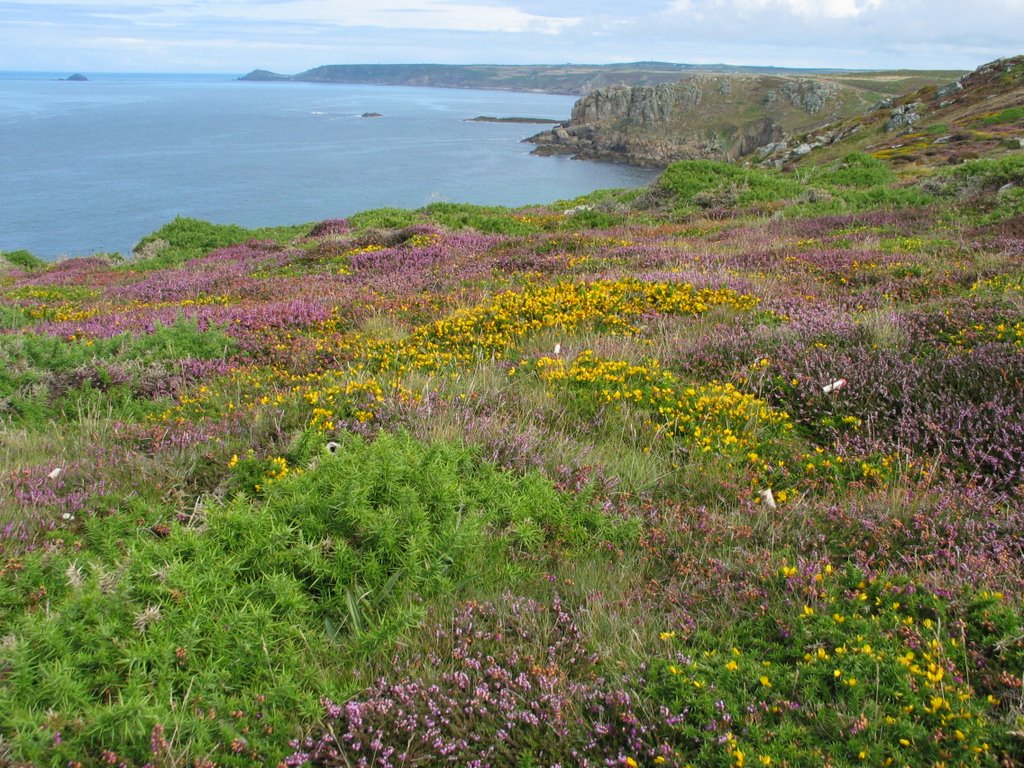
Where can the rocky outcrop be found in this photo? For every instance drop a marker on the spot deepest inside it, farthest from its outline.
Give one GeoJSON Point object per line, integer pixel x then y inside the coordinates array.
{"type": "Point", "coordinates": [903, 117]}
{"type": "Point", "coordinates": [811, 96]}
{"type": "Point", "coordinates": [719, 117]}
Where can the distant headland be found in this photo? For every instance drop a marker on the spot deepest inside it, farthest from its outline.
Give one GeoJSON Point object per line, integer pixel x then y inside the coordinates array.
{"type": "Point", "coordinates": [567, 79]}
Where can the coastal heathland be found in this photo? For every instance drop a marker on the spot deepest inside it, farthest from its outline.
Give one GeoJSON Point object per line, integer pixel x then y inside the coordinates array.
{"type": "Point", "coordinates": [726, 471]}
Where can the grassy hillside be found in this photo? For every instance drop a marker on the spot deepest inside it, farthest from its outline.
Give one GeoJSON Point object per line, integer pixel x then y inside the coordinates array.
{"type": "Point", "coordinates": [724, 472]}
{"type": "Point", "coordinates": [978, 116]}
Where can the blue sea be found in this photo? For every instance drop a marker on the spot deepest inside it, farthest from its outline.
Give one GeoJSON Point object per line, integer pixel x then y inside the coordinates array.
{"type": "Point", "coordinates": [93, 166]}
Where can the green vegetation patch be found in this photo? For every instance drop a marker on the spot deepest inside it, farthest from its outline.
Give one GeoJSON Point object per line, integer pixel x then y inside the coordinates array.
{"type": "Point", "coordinates": [186, 238]}
{"type": "Point", "coordinates": [487, 219]}
{"type": "Point", "coordinates": [383, 218]}
{"type": "Point", "coordinates": [877, 651]}
{"type": "Point", "coordinates": [1011, 115]}
{"type": "Point", "coordinates": [227, 627]}
{"type": "Point", "coordinates": [706, 183]}
{"type": "Point", "coordinates": [856, 170]}
{"type": "Point", "coordinates": [41, 376]}
{"type": "Point", "coordinates": [985, 174]}
{"type": "Point", "coordinates": [22, 258]}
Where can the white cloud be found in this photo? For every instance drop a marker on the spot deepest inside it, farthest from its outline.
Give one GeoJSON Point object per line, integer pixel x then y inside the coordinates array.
{"type": "Point", "coordinates": [407, 14]}
{"type": "Point", "coordinates": [382, 14]}
{"type": "Point", "coordinates": [810, 9]}
{"type": "Point", "coordinates": [292, 35]}
{"type": "Point", "coordinates": [831, 9]}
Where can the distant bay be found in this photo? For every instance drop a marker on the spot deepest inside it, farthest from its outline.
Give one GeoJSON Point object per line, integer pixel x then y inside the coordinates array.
{"type": "Point", "coordinates": [93, 166]}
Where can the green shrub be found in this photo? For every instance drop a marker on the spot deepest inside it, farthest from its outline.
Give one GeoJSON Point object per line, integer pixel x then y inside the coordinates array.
{"type": "Point", "coordinates": [11, 317]}
{"type": "Point", "coordinates": [488, 219]}
{"type": "Point", "coordinates": [23, 259]}
{"type": "Point", "coordinates": [592, 220]}
{"type": "Point", "coordinates": [383, 218]}
{"type": "Point", "coordinates": [1006, 116]}
{"type": "Point", "coordinates": [186, 238]}
{"type": "Point", "coordinates": [871, 672]}
{"type": "Point", "coordinates": [182, 339]}
{"type": "Point", "coordinates": [249, 611]}
{"type": "Point", "coordinates": [690, 178]}
{"type": "Point", "coordinates": [982, 175]}
{"type": "Point", "coordinates": [44, 376]}
{"type": "Point", "coordinates": [857, 169]}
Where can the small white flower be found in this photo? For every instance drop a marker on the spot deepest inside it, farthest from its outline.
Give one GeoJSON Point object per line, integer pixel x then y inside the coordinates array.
{"type": "Point", "coordinates": [768, 498]}
{"type": "Point", "coordinates": [55, 473]}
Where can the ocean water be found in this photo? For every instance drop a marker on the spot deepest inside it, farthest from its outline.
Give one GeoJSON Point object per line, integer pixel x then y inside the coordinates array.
{"type": "Point", "coordinates": [90, 167]}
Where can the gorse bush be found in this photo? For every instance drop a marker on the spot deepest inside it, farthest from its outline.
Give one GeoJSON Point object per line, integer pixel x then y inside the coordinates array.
{"type": "Point", "coordinates": [489, 219]}
{"type": "Point", "coordinates": [863, 671]}
{"type": "Point", "coordinates": [22, 258]}
{"type": "Point", "coordinates": [975, 177]}
{"type": "Point", "coordinates": [249, 610]}
{"type": "Point", "coordinates": [494, 220]}
{"type": "Point", "coordinates": [186, 238]}
{"type": "Point", "coordinates": [737, 186]}
{"type": "Point", "coordinates": [42, 375]}
{"type": "Point", "coordinates": [12, 318]}
{"type": "Point", "coordinates": [1010, 115]}
{"type": "Point", "coordinates": [857, 169]}
{"type": "Point", "coordinates": [383, 218]}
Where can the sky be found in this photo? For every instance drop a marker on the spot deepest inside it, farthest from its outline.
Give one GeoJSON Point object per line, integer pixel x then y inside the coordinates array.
{"type": "Point", "coordinates": [290, 36]}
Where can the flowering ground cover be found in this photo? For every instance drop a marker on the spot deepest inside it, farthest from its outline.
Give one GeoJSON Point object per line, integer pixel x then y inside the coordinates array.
{"type": "Point", "coordinates": [716, 473]}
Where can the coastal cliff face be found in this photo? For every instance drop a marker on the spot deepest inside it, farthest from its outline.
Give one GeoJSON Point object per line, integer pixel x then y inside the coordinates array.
{"type": "Point", "coordinates": [719, 117]}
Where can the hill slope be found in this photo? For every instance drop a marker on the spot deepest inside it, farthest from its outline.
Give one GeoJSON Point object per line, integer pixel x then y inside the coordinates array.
{"type": "Point", "coordinates": [980, 114]}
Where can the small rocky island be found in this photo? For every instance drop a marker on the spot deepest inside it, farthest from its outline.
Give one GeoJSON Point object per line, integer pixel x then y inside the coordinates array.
{"type": "Point", "coordinates": [76, 78]}
{"type": "Point", "coordinates": [371, 114]}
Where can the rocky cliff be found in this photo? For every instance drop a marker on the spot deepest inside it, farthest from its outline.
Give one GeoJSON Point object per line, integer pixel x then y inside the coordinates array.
{"type": "Point", "coordinates": [719, 117]}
